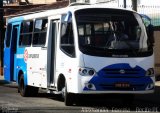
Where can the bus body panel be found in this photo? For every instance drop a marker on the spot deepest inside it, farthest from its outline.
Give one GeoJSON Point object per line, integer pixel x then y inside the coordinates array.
{"type": "Point", "coordinates": [109, 73]}
{"type": "Point", "coordinates": [32, 62]}
{"type": "Point", "coordinates": [37, 66]}
{"type": "Point", "coordinates": [21, 65]}
{"type": "Point", "coordinates": [10, 51]}
{"type": "Point", "coordinates": [139, 80]}
{"type": "Point", "coordinates": [69, 68]}
{"type": "Point", "coordinates": [93, 61]}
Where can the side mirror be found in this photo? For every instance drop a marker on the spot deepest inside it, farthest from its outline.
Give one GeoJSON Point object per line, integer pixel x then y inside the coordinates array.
{"type": "Point", "coordinates": [68, 18]}
{"type": "Point", "coordinates": [149, 28]}
{"type": "Point", "coordinates": [150, 33]}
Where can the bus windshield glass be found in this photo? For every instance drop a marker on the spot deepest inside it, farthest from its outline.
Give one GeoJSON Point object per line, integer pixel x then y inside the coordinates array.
{"type": "Point", "coordinates": [111, 32]}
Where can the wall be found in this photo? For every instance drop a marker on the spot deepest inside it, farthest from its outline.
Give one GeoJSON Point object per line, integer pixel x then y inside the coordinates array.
{"type": "Point", "coordinates": [40, 1]}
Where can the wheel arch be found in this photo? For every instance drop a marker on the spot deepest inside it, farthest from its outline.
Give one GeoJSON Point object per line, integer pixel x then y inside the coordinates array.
{"type": "Point", "coordinates": [61, 82]}
{"type": "Point", "coordinates": [22, 73]}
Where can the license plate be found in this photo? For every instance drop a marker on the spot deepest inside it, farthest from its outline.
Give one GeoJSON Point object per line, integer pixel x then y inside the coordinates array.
{"type": "Point", "coordinates": [122, 85]}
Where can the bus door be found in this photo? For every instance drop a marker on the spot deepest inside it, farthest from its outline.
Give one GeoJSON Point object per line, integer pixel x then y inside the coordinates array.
{"type": "Point", "coordinates": [10, 51]}
{"type": "Point", "coordinates": [51, 50]}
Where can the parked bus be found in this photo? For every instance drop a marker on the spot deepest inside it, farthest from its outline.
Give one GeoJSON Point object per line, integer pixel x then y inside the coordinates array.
{"type": "Point", "coordinates": [80, 49]}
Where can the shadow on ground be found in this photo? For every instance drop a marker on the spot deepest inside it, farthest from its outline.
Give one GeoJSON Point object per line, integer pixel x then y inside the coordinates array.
{"type": "Point", "coordinates": [113, 103]}
{"type": "Point", "coordinates": [108, 102]}
{"type": "Point", "coordinates": [2, 82]}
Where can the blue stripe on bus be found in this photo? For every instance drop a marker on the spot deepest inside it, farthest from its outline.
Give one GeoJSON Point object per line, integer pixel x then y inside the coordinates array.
{"type": "Point", "coordinates": [110, 75]}
{"type": "Point", "coordinates": [16, 19]}
{"type": "Point", "coordinates": [22, 65]}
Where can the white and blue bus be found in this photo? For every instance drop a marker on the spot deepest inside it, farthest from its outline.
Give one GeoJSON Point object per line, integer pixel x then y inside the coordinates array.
{"type": "Point", "coordinates": [80, 49]}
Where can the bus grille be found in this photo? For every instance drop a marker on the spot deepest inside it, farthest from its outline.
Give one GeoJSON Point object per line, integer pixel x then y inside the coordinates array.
{"type": "Point", "coordinates": [122, 73]}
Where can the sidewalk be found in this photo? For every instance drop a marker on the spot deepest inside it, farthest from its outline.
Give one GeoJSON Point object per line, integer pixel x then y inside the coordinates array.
{"type": "Point", "coordinates": [1, 77]}
{"type": "Point", "coordinates": [157, 83]}
{"type": "Point", "coordinates": [5, 83]}
{"type": "Point", "coordinates": [2, 81]}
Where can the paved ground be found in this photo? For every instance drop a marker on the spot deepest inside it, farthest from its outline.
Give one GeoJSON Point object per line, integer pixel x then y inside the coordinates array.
{"type": "Point", "coordinates": [12, 102]}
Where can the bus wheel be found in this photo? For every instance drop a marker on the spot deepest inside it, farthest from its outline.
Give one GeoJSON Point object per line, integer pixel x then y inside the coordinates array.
{"type": "Point", "coordinates": [23, 90]}
{"type": "Point", "coordinates": [68, 97]}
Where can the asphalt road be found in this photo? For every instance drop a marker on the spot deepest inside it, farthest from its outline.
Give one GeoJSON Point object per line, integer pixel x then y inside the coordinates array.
{"type": "Point", "coordinates": [12, 102]}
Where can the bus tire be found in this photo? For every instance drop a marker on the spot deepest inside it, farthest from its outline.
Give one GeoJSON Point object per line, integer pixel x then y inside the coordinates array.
{"type": "Point", "coordinates": [68, 97]}
{"type": "Point", "coordinates": [23, 89]}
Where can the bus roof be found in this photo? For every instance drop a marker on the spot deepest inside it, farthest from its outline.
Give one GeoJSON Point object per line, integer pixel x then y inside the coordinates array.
{"type": "Point", "coordinates": [46, 13]}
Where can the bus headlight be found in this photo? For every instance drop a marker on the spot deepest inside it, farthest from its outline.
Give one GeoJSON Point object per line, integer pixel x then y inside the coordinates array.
{"type": "Point", "coordinates": [87, 71]}
{"type": "Point", "coordinates": [150, 72]}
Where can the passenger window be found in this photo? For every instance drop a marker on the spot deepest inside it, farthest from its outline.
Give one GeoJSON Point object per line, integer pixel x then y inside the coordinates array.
{"type": "Point", "coordinates": [40, 30]}
{"type": "Point", "coordinates": [26, 33]}
{"type": "Point", "coordinates": [67, 40]}
{"type": "Point", "coordinates": [25, 40]}
{"type": "Point", "coordinates": [28, 27]}
{"type": "Point", "coordinates": [8, 35]}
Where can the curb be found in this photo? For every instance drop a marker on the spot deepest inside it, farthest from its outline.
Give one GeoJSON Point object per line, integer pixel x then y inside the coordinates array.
{"type": "Point", "coordinates": [6, 83]}
{"type": "Point", "coordinates": [1, 77]}
{"type": "Point", "coordinates": [2, 82]}
{"type": "Point", "coordinates": [11, 85]}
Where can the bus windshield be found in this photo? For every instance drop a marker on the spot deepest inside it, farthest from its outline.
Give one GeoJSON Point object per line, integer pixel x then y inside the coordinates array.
{"type": "Point", "coordinates": [104, 32]}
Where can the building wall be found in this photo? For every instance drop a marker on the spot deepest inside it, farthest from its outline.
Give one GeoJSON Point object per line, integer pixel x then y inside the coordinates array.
{"type": "Point", "coordinates": [40, 1]}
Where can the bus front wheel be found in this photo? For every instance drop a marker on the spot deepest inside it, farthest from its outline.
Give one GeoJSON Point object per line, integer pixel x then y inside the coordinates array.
{"type": "Point", "coordinates": [68, 97]}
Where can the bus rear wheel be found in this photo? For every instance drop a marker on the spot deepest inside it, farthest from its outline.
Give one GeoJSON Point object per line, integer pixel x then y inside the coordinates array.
{"type": "Point", "coordinates": [68, 97]}
{"type": "Point", "coordinates": [25, 90]}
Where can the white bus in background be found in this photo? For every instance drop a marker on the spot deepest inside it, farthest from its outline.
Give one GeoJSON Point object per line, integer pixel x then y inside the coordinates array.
{"type": "Point", "coordinates": [80, 49]}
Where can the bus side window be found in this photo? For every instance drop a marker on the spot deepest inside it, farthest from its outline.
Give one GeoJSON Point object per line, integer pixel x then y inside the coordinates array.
{"type": "Point", "coordinates": [8, 35]}
{"type": "Point", "coordinates": [26, 33]}
{"type": "Point", "coordinates": [67, 40]}
{"type": "Point", "coordinates": [40, 30]}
